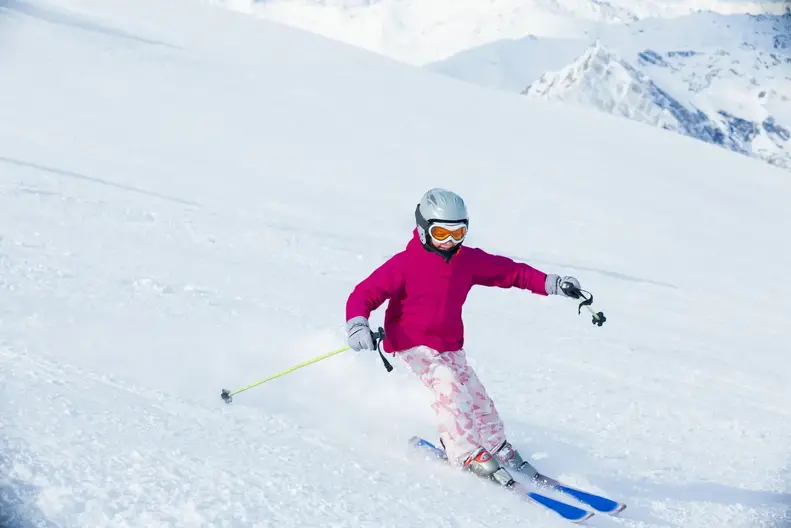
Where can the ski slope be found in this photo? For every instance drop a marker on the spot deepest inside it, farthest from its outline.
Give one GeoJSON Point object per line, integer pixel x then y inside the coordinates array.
{"type": "Point", "coordinates": [188, 195]}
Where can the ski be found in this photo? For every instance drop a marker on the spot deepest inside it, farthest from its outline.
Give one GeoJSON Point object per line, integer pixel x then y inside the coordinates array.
{"type": "Point", "coordinates": [565, 510]}
{"type": "Point", "coordinates": [597, 502]}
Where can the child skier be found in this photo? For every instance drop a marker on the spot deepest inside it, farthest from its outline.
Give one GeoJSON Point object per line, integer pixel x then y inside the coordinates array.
{"type": "Point", "coordinates": [426, 285]}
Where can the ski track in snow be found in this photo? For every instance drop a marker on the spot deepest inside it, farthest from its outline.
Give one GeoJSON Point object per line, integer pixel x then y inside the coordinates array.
{"type": "Point", "coordinates": [179, 219]}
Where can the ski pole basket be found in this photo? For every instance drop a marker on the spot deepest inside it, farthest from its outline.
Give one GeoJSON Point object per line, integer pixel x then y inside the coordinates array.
{"type": "Point", "coordinates": [587, 301]}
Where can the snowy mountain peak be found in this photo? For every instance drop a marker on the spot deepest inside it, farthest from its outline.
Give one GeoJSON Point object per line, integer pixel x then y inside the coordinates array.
{"type": "Point", "coordinates": [602, 79]}
{"type": "Point", "coordinates": [595, 61]}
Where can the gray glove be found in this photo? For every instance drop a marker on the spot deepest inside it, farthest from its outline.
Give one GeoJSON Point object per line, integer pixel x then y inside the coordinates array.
{"type": "Point", "coordinates": [359, 332]}
{"type": "Point", "coordinates": [557, 285]}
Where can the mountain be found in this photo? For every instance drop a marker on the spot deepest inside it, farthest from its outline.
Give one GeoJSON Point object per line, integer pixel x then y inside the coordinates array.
{"type": "Point", "coordinates": [733, 57]}
{"type": "Point", "coordinates": [601, 79]}
{"type": "Point", "coordinates": [729, 75]}
{"type": "Point", "coordinates": [187, 197]}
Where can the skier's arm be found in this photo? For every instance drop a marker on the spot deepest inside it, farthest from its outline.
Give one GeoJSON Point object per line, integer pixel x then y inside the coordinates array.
{"type": "Point", "coordinates": [385, 282]}
{"type": "Point", "coordinates": [502, 272]}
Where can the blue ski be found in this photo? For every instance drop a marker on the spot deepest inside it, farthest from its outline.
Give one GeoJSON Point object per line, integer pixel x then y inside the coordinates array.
{"type": "Point", "coordinates": [597, 502]}
{"type": "Point", "coordinates": [565, 510]}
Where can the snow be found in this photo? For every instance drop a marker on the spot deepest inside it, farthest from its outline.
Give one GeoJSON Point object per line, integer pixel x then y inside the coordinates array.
{"type": "Point", "coordinates": [729, 67]}
{"type": "Point", "coordinates": [602, 79]}
{"type": "Point", "coordinates": [188, 195]}
{"type": "Point", "coordinates": [425, 31]}
{"type": "Point", "coordinates": [731, 59]}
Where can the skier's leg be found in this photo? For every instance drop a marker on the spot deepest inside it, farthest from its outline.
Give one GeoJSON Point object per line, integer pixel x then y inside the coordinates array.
{"type": "Point", "coordinates": [447, 376]}
{"type": "Point", "coordinates": [452, 402]}
{"type": "Point", "coordinates": [490, 427]}
{"type": "Point", "coordinates": [487, 420]}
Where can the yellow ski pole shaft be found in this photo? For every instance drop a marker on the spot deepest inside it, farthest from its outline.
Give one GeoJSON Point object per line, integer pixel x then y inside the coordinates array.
{"type": "Point", "coordinates": [227, 396]}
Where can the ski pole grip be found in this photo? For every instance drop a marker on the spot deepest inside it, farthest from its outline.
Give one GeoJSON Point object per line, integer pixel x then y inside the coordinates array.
{"type": "Point", "coordinates": [379, 336]}
{"type": "Point", "coordinates": [571, 290]}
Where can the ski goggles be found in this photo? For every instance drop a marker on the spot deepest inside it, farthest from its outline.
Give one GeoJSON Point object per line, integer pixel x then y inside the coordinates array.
{"type": "Point", "coordinates": [444, 232]}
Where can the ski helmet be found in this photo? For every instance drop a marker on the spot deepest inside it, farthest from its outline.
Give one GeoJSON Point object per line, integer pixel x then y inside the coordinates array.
{"type": "Point", "coordinates": [439, 205]}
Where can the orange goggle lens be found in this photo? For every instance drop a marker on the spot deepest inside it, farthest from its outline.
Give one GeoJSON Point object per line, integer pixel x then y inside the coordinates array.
{"type": "Point", "coordinates": [442, 233]}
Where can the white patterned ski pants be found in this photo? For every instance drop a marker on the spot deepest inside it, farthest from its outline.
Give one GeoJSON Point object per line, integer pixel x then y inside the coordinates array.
{"type": "Point", "coordinates": [466, 415]}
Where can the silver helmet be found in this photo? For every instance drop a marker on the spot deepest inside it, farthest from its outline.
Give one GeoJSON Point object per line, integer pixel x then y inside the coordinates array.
{"type": "Point", "coordinates": [439, 205]}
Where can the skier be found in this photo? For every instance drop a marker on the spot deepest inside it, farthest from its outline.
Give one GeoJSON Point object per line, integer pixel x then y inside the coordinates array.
{"type": "Point", "coordinates": [426, 285]}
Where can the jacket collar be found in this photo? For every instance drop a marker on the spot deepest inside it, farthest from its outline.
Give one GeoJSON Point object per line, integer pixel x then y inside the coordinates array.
{"type": "Point", "coordinates": [415, 245]}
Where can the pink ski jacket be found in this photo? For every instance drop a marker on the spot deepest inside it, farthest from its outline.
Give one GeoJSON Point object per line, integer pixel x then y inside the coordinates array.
{"type": "Point", "coordinates": [427, 293]}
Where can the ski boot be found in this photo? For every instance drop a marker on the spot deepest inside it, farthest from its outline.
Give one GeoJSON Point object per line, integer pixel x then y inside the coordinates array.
{"type": "Point", "coordinates": [510, 458]}
{"type": "Point", "coordinates": [483, 464]}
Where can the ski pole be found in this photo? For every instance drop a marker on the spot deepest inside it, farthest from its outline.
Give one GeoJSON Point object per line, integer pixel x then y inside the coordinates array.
{"type": "Point", "coordinates": [576, 293]}
{"type": "Point", "coordinates": [598, 317]}
{"type": "Point", "coordinates": [227, 396]}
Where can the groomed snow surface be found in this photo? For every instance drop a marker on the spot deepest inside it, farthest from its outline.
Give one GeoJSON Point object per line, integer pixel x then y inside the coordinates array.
{"type": "Point", "coordinates": [188, 195]}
